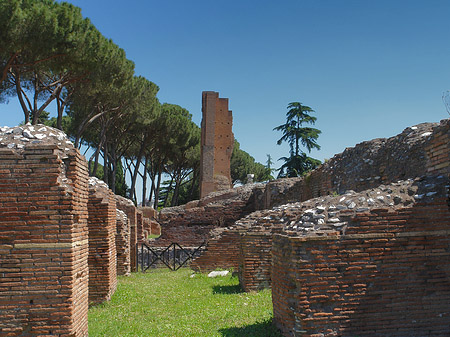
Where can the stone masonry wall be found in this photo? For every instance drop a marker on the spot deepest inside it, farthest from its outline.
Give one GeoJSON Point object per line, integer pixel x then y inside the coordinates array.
{"type": "Point", "coordinates": [191, 224]}
{"type": "Point", "coordinates": [122, 243]}
{"type": "Point", "coordinates": [224, 250]}
{"type": "Point", "coordinates": [102, 242]}
{"type": "Point", "coordinates": [43, 234]}
{"type": "Point", "coordinates": [417, 151]}
{"type": "Point", "coordinates": [428, 144]}
{"type": "Point", "coordinates": [254, 264]}
{"type": "Point", "coordinates": [217, 143]}
{"type": "Point", "coordinates": [127, 206]}
{"type": "Point", "coordinates": [388, 275]}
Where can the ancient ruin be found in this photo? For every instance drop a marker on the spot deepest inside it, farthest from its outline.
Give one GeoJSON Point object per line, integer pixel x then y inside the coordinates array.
{"type": "Point", "coordinates": [359, 246]}
{"type": "Point", "coordinates": [216, 144]}
{"type": "Point", "coordinates": [62, 240]}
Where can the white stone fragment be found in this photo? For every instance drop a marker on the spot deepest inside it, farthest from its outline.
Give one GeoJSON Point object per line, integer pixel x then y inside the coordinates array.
{"type": "Point", "coordinates": [413, 127]}
{"type": "Point", "coordinates": [425, 134]}
{"type": "Point", "coordinates": [429, 194]}
{"type": "Point", "coordinates": [218, 273]}
{"type": "Point", "coordinates": [370, 201]}
{"type": "Point", "coordinates": [380, 197]}
{"type": "Point", "coordinates": [61, 136]}
{"type": "Point", "coordinates": [43, 129]}
{"type": "Point", "coordinates": [11, 146]}
{"type": "Point", "coordinates": [339, 224]}
{"type": "Point", "coordinates": [320, 221]}
{"type": "Point", "coordinates": [352, 205]}
{"type": "Point", "coordinates": [20, 146]}
{"type": "Point", "coordinates": [40, 135]}
{"type": "Point", "coordinates": [320, 209]}
{"type": "Point", "coordinates": [418, 196]}
{"type": "Point", "coordinates": [342, 199]}
{"type": "Point", "coordinates": [334, 220]}
{"type": "Point", "coordinates": [362, 209]}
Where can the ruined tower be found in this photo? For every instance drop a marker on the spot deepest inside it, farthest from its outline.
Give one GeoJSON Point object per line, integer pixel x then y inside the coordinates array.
{"type": "Point", "coordinates": [216, 144]}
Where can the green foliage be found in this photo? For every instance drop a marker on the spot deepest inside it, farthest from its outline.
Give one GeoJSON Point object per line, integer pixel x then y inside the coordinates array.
{"type": "Point", "coordinates": [294, 133]}
{"type": "Point", "coordinates": [242, 164]}
{"type": "Point", "coordinates": [165, 303]}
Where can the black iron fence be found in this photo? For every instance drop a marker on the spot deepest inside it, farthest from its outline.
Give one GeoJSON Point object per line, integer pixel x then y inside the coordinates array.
{"type": "Point", "coordinates": [173, 257]}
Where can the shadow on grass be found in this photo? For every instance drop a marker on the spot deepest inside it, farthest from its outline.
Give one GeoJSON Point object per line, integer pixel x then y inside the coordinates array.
{"type": "Point", "coordinates": [235, 289]}
{"type": "Point", "coordinates": [262, 329]}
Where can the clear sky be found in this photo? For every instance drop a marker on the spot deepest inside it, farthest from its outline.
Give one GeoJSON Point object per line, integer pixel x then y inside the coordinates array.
{"type": "Point", "coordinates": [368, 68]}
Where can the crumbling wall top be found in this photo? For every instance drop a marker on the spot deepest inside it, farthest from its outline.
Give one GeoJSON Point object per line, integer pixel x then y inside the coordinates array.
{"type": "Point", "coordinates": [19, 138]}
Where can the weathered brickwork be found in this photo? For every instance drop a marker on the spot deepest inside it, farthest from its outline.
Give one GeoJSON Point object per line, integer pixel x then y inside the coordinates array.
{"type": "Point", "coordinates": [122, 243]}
{"type": "Point", "coordinates": [216, 144]}
{"type": "Point", "coordinates": [389, 275]}
{"type": "Point", "coordinates": [417, 151]}
{"type": "Point", "coordinates": [140, 227]}
{"type": "Point", "coordinates": [255, 260]}
{"type": "Point", "coordinates": [102, 242]}
{"type": "Point", "coordinates": [427, 144]}
{"type": "Point", "coordinates": [127, 206]}
{"type": "Point", "coordinates": [191, 224]}
{"type": "Point", "coordinates": [43, 240]}
{"type": "Point", "coordinates": [222, 252]}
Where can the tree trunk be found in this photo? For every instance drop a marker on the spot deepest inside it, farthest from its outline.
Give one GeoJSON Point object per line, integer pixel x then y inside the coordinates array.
{"type": "Point", "coordinates": [144, 182]}
{"type": "Point", "coordinates": [168, 191]}
{"type": "Point", "coordinates": [114, 168]}
{"type": "Point", "coordinates": [135, 174]}
{"type": "Point", "coordinates": [158, 184]}
{"type": "Point", "coordinates": [20, 96]}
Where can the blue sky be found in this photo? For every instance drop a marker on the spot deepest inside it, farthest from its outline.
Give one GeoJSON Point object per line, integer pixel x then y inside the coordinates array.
{"type": "Point", "coordinates": [368, 68]}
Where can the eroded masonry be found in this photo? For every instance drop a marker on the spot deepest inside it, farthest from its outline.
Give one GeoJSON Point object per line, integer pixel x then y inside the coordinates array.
{"type": "Point", "coordinates": [216, 144]}
{"type": "Point", "coordinates": [360, 246]}
{"type": "Point", "coordinates": [62, 239]}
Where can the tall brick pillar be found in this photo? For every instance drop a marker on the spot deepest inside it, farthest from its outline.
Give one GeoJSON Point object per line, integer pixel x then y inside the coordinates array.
{"type": "Point", "coordinates": [216, 144]}
{"type": "Point", "coordinates": [43, 235]}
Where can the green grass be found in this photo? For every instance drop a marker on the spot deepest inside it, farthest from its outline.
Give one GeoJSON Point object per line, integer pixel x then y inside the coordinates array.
{"type": "Point", "coordinates": [165, 303]}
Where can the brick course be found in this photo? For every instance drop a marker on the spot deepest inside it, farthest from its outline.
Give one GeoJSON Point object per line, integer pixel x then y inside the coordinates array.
{"type": "Point", "coordinates": [102, 242]}
{"type": "Point", "coordinates": [388, 276]}
{"type": "Point", "coordinates": [123, 243]}
{"type": "Point", "coordinates": [43, 242]}
{"type": "Point", "coordinates": [127, 206]}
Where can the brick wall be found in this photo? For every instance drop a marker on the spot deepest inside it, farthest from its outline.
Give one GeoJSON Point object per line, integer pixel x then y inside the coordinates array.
{"type": "Point", "coordinates": [140, 227]}
{"type": "Point", "coordinates": [43, 241]}
{"type": "Point", "coordinates": [191, 224]}
{"type": "Point", "coordinates": [417, 151]}
{"type": "Point", "coordinates": [389, 275]}
{"type": "Point", "coordinates": [255, 260]}
{"type": "Point", "coordinates": [102, 242]}
{"type": "Point", "coordinates": [424, 150]}
{"type": "Point", "coordinates": [127, 206]}
{"type": "Point", "coordinates": [122, 243]}
{"type": "Point", "coordinates": [221, 252]}
{"type": "Point", "coordinates": [216, 144]}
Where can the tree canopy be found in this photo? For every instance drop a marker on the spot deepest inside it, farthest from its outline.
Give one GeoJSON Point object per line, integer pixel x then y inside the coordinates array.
{"type": "Point", "coordinates": [295, 134]}
{"type": "Point", "coordinates": [50, 53]}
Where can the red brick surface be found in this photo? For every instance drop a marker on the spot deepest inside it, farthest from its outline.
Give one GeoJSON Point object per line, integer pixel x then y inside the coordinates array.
{"type": "Point", "coordinates": [127, 206]}
{"type": "Point", "coordinates": [43, 242]}
{"type": "Point", "coordinates": [388, 276]}
{"type": "Point", "coordinates": [102, 243]}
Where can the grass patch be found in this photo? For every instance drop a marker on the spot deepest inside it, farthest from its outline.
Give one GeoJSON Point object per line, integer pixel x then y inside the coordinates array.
{"type": "Point", "coordinates": [166, 303]}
